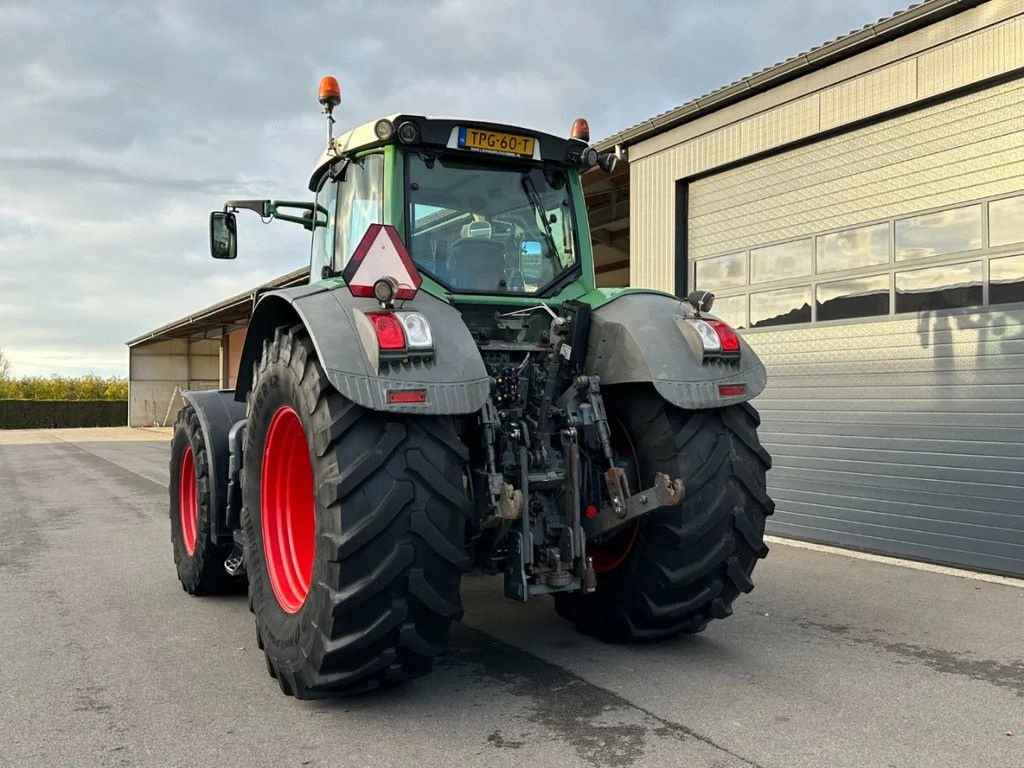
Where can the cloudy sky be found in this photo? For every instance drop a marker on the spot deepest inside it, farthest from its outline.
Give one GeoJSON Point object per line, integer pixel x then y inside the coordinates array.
{"type": "Point", "coordinates": [123, 124]}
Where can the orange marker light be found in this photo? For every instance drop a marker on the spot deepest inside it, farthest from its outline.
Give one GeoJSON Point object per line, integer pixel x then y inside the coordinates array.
{"type": "Point", "coordinates": [580, 130]}
{"type": "Point", "coordinates": [330, 91]}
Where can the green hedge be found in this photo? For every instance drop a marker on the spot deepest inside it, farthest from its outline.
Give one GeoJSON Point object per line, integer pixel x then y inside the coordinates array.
{"type": "Point", "coordinates": [44, 414]}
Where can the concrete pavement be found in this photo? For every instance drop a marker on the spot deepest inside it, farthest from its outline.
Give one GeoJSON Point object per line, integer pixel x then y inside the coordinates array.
{"type": "Point", "coordinates": [831, 661]}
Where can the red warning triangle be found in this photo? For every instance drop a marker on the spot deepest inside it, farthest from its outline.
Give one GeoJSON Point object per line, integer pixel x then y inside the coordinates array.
{"type": "Point", "coordinates": [381, 253]}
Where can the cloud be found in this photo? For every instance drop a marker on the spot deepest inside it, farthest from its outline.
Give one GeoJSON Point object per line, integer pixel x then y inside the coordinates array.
{"type": "Point", "coordinates": [123, 124]}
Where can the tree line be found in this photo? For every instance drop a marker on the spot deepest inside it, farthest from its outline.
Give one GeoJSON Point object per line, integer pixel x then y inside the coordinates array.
{"type": "Point", "coordinates": [59, 387]}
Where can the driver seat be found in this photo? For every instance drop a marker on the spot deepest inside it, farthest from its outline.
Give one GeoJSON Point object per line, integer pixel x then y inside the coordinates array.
{"type": "Point", "coordinates": [476, 264]}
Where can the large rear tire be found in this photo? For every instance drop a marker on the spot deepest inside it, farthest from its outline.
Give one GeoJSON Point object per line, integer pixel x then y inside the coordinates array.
{"type": "Point", "coordinates": [682, 566]}
{"type": "Point", "coordinates": [354, 530]}
{"type": "Point", "coordinates": [198, 559]}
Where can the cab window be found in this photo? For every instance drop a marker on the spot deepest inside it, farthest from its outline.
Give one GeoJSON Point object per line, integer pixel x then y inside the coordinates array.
{"type": "Point", "coordinates": [478, 227]}
{"type": "Point", "coordinates": [360, 204]}
{"type": "Point", "coordinates": [323, 229]}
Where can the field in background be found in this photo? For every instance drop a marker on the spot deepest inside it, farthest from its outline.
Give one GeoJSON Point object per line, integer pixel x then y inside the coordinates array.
{"type": "Point", "coordinates": [63, 388]}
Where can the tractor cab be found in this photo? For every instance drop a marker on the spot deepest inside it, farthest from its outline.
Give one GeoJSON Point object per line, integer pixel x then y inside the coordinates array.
{"type": "Point", "coordinates": [483, 209]}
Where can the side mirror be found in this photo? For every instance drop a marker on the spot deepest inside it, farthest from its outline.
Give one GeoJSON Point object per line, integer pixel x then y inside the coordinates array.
{"type": "Point", "coordinates": [223, 235]}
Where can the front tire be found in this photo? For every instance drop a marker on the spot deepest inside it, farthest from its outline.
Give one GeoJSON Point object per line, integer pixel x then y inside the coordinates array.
{"type": "Point", "coordinates": [680, 567]}
{"type": "Point", "coordinates": [353, 530]}
{"type": "Point", "coordinates": [198, 559]}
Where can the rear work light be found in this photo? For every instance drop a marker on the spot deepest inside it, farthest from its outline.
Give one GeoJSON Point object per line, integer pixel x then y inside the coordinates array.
{"type": "Point", "coordinates": [717, 338]}
{"type": "Point", "coordinates": [417, 330]}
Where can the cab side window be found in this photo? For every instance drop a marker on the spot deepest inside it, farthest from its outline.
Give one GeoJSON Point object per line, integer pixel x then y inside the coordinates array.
{"type": "Point", "coordinates": [324, 227]}
{"type": "Point", "coordinates": [360, 203]}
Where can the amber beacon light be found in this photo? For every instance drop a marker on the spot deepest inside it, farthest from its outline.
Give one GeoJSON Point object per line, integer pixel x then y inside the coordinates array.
{"type": "Point", "coordinates": [330, 92]}
{"type": "Point", "coordinates": [580, 130]}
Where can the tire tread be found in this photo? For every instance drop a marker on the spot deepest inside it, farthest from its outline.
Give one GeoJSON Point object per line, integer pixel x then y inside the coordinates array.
{"type": "Point", "coordinates": [390, 548]}
{"type": "Point", "coordinates": [691, 561]}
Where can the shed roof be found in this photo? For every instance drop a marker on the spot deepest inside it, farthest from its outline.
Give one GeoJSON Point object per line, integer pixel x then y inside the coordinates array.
{"type": "Point", "coordinates": [235, 309]}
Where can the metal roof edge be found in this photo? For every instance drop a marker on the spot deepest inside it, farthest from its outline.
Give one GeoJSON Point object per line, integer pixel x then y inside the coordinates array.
{"type": "Point", "coordinates": [239, 299]}
{"type": "Point", "coordinates": [870, 36]}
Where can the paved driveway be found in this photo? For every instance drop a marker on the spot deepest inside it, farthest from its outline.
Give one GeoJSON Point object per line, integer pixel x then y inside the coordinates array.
{"type": "Point", "coordinates": [831, 661]}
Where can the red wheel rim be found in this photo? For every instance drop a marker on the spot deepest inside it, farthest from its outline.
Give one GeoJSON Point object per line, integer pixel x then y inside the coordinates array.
{"type": "Point", "coordinates": [188, 505]}
{"type": "Point", "coordinates": [288, 510]}
{"type": "Point", "coordinates": [609, 555]}
{"type": "Point", "coordinates": [612, 553]}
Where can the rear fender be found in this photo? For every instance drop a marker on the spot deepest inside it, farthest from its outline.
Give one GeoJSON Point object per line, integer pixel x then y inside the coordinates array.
{"type": "Point", "coordinates": [454, 379]}
{"type": "Point", "coordinates": [218, 411]}
{"type": "Point", "coordinates": [634, 338]}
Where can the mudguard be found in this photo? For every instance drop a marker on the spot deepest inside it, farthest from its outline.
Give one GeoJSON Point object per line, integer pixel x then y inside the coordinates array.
{"type": "Point", "coordinates": [639, 337]}
{"type": "Point", "coordinates": [218, 411]}
{"type": "Point", "coordinates": [454, 379]}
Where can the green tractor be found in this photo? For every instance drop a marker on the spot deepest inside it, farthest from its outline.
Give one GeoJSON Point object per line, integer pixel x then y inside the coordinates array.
{"type": "Point", "coordinates": [451, 391]}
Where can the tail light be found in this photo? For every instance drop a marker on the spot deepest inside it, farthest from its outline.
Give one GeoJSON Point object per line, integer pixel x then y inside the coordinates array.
{"type": "Point", "coordinates": [717, 338]}
{"type": "Point", "coordinates": [402, 332]}
{"type": "Point", "coordinates": [727, 336]}
{"type": "Point", "coordinates": [390, 336]}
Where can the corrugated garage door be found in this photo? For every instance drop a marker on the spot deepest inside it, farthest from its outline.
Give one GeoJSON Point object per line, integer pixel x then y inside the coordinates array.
{"type": "Point", "coordinates": [880, 274]}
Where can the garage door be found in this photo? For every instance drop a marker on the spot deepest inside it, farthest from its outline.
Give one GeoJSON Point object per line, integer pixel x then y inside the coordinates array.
{"type": "Point", "coordinates": [880, 274]}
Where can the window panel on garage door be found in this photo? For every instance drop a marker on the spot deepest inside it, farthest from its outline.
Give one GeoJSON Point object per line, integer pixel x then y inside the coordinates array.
{"type": "Point", "coordinates": [856, 297]}
{"type": "Point", "coordinates": [731, 309]}
{"type": "Point", "coordinates": [939, 233]}
{"type": "Point", "coordinates": [1005, 280]}
{"type": "Point", "coordinates": [852, 248]}
{"type": "Point", "coordinates": [1006, 221]}
{"type": "Point", "coordinates": [728, 271]}
{"type": "Point", "coordinates": [783, 307]}
{"type": "Point", "coordinates": [782, 261]}
{"type": "Point", "coordinates": [946, 287]}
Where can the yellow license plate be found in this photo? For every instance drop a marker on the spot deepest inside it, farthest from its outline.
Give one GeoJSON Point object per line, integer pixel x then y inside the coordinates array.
{"type": "Point", "coordinates": [483, 140]}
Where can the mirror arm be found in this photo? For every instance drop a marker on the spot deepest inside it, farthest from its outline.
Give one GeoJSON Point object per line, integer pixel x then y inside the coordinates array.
{"type": "Point", "coordinates": [294, 219]}
{"type": "Point", "coordinates": [274, 210]}
{"type": "Point", "coordinates": [273, 206]}
{"type": "Point", "coordinates": [262, 207]}
{"type": "Point", "coordinates": [271, 209]}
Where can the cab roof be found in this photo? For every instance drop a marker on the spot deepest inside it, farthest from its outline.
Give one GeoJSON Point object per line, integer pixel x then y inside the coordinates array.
{"type": "Point", "coordinates": [441, 133]}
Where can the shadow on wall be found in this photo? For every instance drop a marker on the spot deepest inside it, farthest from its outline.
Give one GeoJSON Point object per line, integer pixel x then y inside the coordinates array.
{"type": "Point", "coordinates": [935, 330]}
